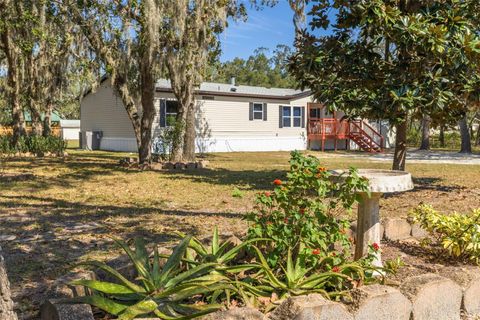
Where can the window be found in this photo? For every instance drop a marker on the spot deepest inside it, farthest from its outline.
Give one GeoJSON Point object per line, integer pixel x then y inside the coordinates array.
{"type": "Point", "coordinates": [168, 112]}
{"type": "Point", "coordinates": [297, 117]}
{"type": "Point", "coordinates": [287, 117]}
{"type": "Point", "coordinates": [257, 111]}
{"type": "Point", "coordinates": [171, 110]}
{"type": "Point", "coordinates": [292, 117]}
{"type": "Point", "coordinates": [315, 113]}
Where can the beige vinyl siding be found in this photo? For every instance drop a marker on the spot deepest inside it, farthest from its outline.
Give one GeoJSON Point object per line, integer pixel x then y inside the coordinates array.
{"type": "Point", "coordinates": [102, 110]}
{"type": "Point", "coordinates": [229, 116]}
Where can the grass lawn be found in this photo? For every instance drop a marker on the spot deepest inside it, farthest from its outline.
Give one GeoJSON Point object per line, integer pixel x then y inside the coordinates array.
{"type": "Point", "coordinates": [48, 212]}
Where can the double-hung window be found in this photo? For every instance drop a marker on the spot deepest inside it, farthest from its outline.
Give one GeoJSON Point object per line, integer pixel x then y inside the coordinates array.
{"type": "Point", "coordinates": [258, 111]}
{"type": "Point", "coordinates": [292, 117]}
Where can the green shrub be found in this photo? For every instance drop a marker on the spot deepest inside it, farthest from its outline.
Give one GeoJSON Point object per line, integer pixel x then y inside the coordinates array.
{"type": "Point", "coordinates": [295, 246]}
{"type": "Point", "coordinates": [299, 215]}
{"type": "Point", "coordinates": [34, 144]}
{"type": "Point", "coordinates": [459, 234]}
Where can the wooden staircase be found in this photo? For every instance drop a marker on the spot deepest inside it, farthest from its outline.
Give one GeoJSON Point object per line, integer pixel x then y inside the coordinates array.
{"type": "Point", "coordinates": [370, 141]}
{"type": "Point", "coordinates": [358, 131]}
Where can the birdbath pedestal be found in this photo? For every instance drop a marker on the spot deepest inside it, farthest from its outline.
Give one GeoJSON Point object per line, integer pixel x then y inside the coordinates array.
{"type": "Point", "coordinates": [368, 220]}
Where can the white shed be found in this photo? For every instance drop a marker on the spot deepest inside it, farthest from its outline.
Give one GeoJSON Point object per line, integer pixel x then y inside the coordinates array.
{"type": "Point", "coordinates": [70, 129]}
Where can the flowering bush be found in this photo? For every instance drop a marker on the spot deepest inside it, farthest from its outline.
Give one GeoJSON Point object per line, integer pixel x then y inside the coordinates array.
{"type": "Point", "coordinates": [300, 213]}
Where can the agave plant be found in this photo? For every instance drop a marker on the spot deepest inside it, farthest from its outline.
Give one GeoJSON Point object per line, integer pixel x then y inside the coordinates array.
{"type": "Point", "coordinates": [220, 253]}
{"type": "Point", "coordinates": [168, 292]}
{"type": "Point", "coordinates": [224, 255]}
{"type": "Point", "coordinates": [297, 279]}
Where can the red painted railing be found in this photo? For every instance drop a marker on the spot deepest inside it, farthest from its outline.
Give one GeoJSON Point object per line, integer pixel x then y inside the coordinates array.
{"type": "Point", "coordinates": [357, 130]}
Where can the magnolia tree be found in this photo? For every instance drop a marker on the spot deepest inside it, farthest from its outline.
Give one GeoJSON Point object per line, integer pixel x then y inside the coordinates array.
{"type": "Point", "coordinates": [392, 60]}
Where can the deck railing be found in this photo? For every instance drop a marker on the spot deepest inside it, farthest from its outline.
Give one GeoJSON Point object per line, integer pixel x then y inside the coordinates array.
{"type": "Point", "coordinates": [331, 128]}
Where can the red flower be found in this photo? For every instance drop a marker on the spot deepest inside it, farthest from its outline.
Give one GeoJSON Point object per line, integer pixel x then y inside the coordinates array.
{"type": "Point", "coordinates": [351, 239]}
{"type": "Point", "coordinates": [268, 193]}
{"type": "Point", "coordinates": [285, 220]}
{"type": "Point", "coordinates": [302, 211]}
{"type": "Point", "coordinates": [322, 169]}
{"type": "Point", "coordinates": [316, 251]}
{"type": "Point", "coordinates": [336, 269]}
{"type": "Point", "coordinates": [375, 246]}
{"type": "Point", "coordinates": [277, 182]}
{"type": "Point", "coordinates": [334, 254]}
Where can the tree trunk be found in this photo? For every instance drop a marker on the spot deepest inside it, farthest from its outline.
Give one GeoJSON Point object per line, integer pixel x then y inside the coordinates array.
{"type": "Point", "coordinates": [36, 118]}
{"type": "Point", "coordinates": [190, 135]}
{"type": "Point", "coordinates": [466, 146]}
{"type": "Point", "coordinates": [477, 141]}
{"type": "Point", "coordinates": [425, 143]}
{"type": "Point", "coordinates": [148, 111]}
{"type": "Point", "coordinates": [441, 136]}
{"type": "Point", "coordinates": [13, 85]}
{"type": "Point", "coordinates": [6, 303]}
{"type": "Point", "coordinates": [47, 122]}
{"type": "Point", "coordinates": [179, 140]}
{"type": "Point", "coordinates": [400, 155]}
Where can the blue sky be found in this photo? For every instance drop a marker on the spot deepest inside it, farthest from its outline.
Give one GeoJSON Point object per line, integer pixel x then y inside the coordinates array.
{"type": "Point", "coordinates": [265, 28]}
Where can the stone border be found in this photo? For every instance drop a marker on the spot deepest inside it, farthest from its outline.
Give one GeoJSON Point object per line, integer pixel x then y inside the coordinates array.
{"type": "Point", "coordinates": [132, 162]}
{"type": "Point", "coordinates": [424, 297]}
{"type": "Point", "coordinates": [395, 229]}
{"type": "Point", "coordinates": [452, 294]}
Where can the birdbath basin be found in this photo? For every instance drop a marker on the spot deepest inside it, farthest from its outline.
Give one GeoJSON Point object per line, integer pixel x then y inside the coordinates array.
{"type": "Point", "coordinates": [368, 220]}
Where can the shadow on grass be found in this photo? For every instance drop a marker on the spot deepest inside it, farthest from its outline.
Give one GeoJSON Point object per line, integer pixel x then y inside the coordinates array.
{"type": "Point", "coordinates": [52, 234]}
{"type": "Point", "coordinates": [244, 179]}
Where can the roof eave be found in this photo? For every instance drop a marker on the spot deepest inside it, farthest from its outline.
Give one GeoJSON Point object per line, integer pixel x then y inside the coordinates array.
{"type": "Point", "coordinates": [245, 95]}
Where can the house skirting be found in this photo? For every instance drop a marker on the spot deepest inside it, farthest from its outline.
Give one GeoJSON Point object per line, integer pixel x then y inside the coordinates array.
{"type": "Point", "coordinates": [218, 144]}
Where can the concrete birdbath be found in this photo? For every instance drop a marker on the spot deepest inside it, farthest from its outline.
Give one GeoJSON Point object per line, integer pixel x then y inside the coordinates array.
{"type": "Point", "coordinates": [368, 224]}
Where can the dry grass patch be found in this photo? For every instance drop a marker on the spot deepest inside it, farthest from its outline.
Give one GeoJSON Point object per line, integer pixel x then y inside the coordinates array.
{"type": "Point", "coordinates": [66, 212]}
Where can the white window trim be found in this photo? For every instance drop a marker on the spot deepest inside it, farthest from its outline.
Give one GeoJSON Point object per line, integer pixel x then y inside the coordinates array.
{"type": "Point", "coordinates": [263, 110]}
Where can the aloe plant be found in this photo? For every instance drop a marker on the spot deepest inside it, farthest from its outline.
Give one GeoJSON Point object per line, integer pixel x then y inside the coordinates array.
{"type": "Point", "coordinates": [221, 253]}
{"type": "Point", "coordinates": [297, 279]}
{"type": "Point", "coordinates": [167, 292]}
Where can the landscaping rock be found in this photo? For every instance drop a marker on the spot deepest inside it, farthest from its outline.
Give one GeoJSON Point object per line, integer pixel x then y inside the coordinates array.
{"type": "Point", "coordinates": [168, 165]}
{"type": "Point", "coordinates": [311, 307]}
{"type": "Point", "coordinates": [418, 232]}
{"type": "Point", "coordinates": [433, 297]}
{"type": "Point", "coordinates": [397, 229]}
{"type": "Point", "coordinates": [62, 288]}
{"type": "Point", "coordinates": [191, 165]}
{"type": "Point", "coordinates": [469, 280]}
{"type": "Point", "coordinates": [156, 166]}
{"type": "Point", "coordinates": [202, 164]}
{"type": "Point", "coordinates": [55, 310]}
{"type": "Point", "coordinates": [380, 302]}
{"type": "Point", "coordinates": [180, 165]}
{"type": "Point", "coordinates": [236, 314]}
